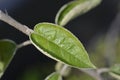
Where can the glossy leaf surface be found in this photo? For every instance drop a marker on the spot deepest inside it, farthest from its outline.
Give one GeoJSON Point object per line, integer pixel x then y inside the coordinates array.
{"type": "Point", "coordinates": [72, 9]}
{"type": "Point", "coordinates": [7, 50]}
{"type": "Point", "coordinates": [54, 76]}
{"type": "Point", "coordinates": [60, 44]}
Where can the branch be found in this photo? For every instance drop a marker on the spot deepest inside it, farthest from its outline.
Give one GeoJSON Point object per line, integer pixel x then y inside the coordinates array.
{"type": "Point", "coordinates": [93, 73]}
{"type": "Point", "coordinates": [23, 28]}
{"type": "Point", "coordinates": [103, 70]}
{"type": "Point", "coordinates": [63, 70]}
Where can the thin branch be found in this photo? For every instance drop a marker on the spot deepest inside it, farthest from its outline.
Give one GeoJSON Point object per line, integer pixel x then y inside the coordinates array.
{"type": "Point", "coordinates": [23, 28]}
{"type": "Point", "coordinates": [93, 73]}
{"type": "Point", "coordinates": [28, 42]}
{"type": "Point", "coordinates": [6, 18]}
{"type": "Point", "coordinates": [63, 70]}
{"type": "Point", "coordinates": [103, 70]}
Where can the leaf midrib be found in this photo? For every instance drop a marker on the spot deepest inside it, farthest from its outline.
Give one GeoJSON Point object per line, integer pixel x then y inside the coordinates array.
{"type": "Point", "coordinates": [63, 49]}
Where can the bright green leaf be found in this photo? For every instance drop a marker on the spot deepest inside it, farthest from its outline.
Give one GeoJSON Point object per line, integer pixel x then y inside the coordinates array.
{"type": "Point", "coordinates": [54, 76]}
{"type": "Point", "coordinates": [73, 9]}
{"type": "Point", "coordinates": [60, 44]}
{"type": "Point", "coordinates": [7, 50]}
{"type": "Point", "coordinates": [115, 71]}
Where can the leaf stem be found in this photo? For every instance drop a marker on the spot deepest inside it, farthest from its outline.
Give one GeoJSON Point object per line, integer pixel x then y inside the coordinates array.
{"type": "Point", "coordinates": [23, 28]}
{"type": "Point", "coordinates": [63, 70]}
{"type": "Point", "coordinates": [28, 42]}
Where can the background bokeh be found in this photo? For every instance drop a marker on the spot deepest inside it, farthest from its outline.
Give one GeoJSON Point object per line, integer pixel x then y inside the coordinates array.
{"type": "Point", "coordinates": [30, 12]}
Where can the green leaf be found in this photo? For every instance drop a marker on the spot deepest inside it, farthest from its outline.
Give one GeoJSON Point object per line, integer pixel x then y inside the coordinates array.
{"type": "Point", "coordinates": [115, 71]}
{"type": "Point", "coordinates": [73, 9]}
{"type": "Point", "coordinates": [54, 76]}
{"type": "Point", "coordinates": [60, 44]}
{"type": "Point", "coordinates": [115, 75]}
{"type": "Point", "coordinates": [7, 50]}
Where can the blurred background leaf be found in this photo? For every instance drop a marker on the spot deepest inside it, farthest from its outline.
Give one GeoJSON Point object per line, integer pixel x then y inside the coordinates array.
{"type": "Point", "coordinates": [73, 9]}
{"type": "Point", "coordinates": [54, 76]}
{"type": "Point", "coordinates": [7, 51]}
{"type": "Point", "coordinates": [115, 69]}
{"type": "Point", "coordinates": [97, 53]}
{"type": "Point", "coordinates": [36, 72]}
